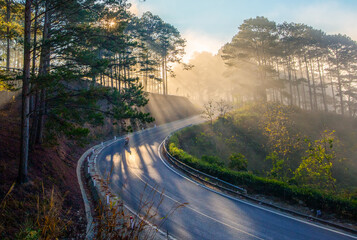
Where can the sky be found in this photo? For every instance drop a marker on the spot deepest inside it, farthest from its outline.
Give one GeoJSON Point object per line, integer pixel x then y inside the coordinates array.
{"type": "Point", "coordinates": [208, 24]}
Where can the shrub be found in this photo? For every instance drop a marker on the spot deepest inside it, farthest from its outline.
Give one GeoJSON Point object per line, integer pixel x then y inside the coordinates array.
{"type": "Point", "coordinates": [313, 198]}
{"type": "Point", "coordinates": [238, 162]}
{"type": "Point", "coordinates": [212, 160]}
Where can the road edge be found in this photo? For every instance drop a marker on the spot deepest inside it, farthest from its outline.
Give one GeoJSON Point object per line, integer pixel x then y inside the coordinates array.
{"type": "Point", "coordinates": [104, 193]}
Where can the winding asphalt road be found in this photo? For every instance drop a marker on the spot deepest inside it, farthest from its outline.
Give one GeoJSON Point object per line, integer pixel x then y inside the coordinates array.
{"type": "Point", "coordinates": [138, 169]}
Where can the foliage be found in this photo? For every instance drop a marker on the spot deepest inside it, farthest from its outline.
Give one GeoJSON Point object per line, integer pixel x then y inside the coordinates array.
{"type": "Point", "coordinates": [315, 168]}
{"type": "Point", "coordinates": [7, 81]}
{"type": "Point", "coordinates": [279, 152]}
{"type": "Point", "coordinates": [312, 197]}
{"type": "Point", "coordinates": [277, 169]}
{"type": "Point", "coordinates": [15, 24]}
{"type": "Point", "coordinates": [280, 142]}
{"type": "Point", "coordinates": [238, 162]}
{"type": "Point", "coordinates": [212, 160]}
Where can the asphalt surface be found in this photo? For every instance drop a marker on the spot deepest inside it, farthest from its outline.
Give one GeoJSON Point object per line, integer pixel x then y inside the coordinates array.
{"type": "Point", "coordinates": [140, 176]}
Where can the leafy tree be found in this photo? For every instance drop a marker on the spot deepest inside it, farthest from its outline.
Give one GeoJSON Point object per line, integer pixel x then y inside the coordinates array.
{"type": "Point", "coordinates": [280, 141]}
{"type": "Point", "coordinates": [315, 168]}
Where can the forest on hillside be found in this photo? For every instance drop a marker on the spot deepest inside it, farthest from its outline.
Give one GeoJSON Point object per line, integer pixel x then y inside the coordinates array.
{"type": "Point", "coordinates": [276, 139]}
{"type": "Point", "coordinates": [72, 73]}
{"type": "Point", "coordinates": [291, 63]}
{"type": "Point", "coordinates": [78, 62]}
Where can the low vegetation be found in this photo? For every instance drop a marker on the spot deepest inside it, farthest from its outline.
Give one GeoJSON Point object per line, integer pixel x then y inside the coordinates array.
{"type": "Point", "coordinates": [278, 150]}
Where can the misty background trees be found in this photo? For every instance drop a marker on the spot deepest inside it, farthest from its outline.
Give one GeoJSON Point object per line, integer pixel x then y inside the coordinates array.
{"type": "Point", "coordinates": [290, 63]}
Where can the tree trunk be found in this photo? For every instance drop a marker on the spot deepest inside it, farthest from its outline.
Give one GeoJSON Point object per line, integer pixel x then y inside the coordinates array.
{"type": "Point", "coordinates": [313, 85]}
{"type": "Point", "coordinates": [166, 85]}
{"type": "Point", "coordinates": [32, 102]}
{"type": "Point", "coordinates": [297, 89]}
{"type": "Point", "coordinates": [24, 150]}
{"type": "Point", "coordinates": [44, 70]}
{"type": "Point", "coordinates": [163, 76]}
{"type": "Point", "coordinates": [35, 39]}
{"type": "Point", "coordinates": [302, 85]}
{"type": "Point", "coordinates": [146, 72]}
{"type": "Point", "coordinates": [322, 86]}
{"type": "Point", "coordinates": [291, 102]}
{"type": "Point", "coordinates": [332, 90]}
{"type": "Point", "coordinates": [308, 83]}
{"type": "Point", "coordinates": [8, 11]}
{"type": "Point", "coordinates": [340, 90]}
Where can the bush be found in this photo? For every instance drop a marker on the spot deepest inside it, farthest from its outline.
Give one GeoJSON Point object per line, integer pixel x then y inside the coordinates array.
{"type": "Point", "coordinates": [313, 198]}
{"type": "Point", "coordinates": [212, 160]}
{"type": "Point", "coordinates": [238, 162]}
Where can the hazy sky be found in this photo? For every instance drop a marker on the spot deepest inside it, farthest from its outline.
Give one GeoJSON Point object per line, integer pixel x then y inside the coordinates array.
{"type": "Point", "coordinates": [208, 24]}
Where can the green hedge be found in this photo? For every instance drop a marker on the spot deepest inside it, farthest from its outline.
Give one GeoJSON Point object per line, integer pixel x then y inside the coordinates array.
{"type": "Point", "coordinates": [312, 197]}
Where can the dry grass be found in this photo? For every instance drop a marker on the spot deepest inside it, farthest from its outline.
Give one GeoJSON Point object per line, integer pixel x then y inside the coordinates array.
{"type": "Point", "coordinates": [44, 217]}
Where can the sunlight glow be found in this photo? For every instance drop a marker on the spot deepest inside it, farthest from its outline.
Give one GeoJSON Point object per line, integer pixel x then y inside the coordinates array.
{"type": "Point", "coordinates": [111, 23]}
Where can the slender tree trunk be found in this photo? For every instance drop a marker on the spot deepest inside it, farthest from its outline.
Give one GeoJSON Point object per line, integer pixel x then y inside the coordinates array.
{"type": "Point", "coordinates": [333, 96]}
{"type": "Point", "coordinates": [163, 76]}
{"type": "Point", "coordinates": [166, 83]}
{"type": "Point", "coordinates": [339, 80]}
{"type": "Point", "coordinates": [24, 150]}
{"type": "Point", "coordinates": [302, 84]}
{"type": "Point", "coordinates": [45, 58]}
{"type": "Point", "coordinates": [288, 65]}
{"type": "Point", "coordinates": [146, 72]}
{"type": "Point", "coordinates": [116, 71]}
{"type": "Point", "coordinates": [322, 86]}
{"type": "Point", "coordinates": [119, 71]}
{"type": "Point", "coordinates": [350, 89]}
{"type": "Point", "coordinates": [313, 84]}
{"type": "Point", "coordinates": [8, 11]}
{"type": "Point", "coordinates": [124, 74]}
{"type": "Point", "coordinates": [297, 89]}
{"type": "Point", "coordinates": [32, 101]}
{"type": "Point", "coordinates": [332, 90]}
{"type": "Point", "coordinates": [308, 83]}
{"type": "Point", "coordinates": [111, 76]}
{"type": "Point", "coordinates": [35, 39]}
{"type": "Point", "coordinates": [35, 116]}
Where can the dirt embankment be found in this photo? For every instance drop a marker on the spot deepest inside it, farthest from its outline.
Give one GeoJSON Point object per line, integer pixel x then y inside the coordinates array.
{"type": "Point", "coordinates": [55, 167]}
{"type": "Point", "coordinates": [49, 168]}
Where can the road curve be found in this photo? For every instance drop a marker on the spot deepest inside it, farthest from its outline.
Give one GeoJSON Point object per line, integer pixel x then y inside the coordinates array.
{"type": "Point", "coordinates": [136, 169]}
